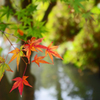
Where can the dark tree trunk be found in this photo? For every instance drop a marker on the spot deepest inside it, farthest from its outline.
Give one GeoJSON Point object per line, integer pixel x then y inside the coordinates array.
{"type": "Point", "coordinates": [97, 1]}
{"type": "Point", "coordinates": [5, 86]}
{"type": "Point", "coordinates": [28, 93]}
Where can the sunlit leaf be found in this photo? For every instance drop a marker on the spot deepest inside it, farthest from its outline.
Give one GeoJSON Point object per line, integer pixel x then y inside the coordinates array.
{"type": "Point", "coordinates": [39, 60]}
{"type": "Point", "coordinates": [3, 67]}
{"type": "Point", "coordinates": [6, 11]}
{"type": "Point", "coordinates": [88, 16]}
{"type": "Point", "coordinates": [50, 50]}
{"type": "Point", "coordinates": [76, 5]}
{"type": "Point", "coordinates": [17, 53]}
{"type": "Point", "coordinates": [33, 45]}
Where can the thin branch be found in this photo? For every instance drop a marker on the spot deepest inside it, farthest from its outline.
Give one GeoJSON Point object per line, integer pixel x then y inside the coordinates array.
{"type": "Point", "coordinates": [25, 3]}
{"type": "Point", "coordinates": [25, 70]}
{"type": "Point", "coordinates": [13, 35]}
{"type": "Point", "coordinates": [49, 9]}
{"type": "Point", "coordinates": [9, 40]}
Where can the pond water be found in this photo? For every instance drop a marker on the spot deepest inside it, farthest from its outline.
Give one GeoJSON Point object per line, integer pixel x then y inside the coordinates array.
{"type": "Point", "coordinates": [62, 82]}
{"type": "Point", "coordinates": [56, 85]}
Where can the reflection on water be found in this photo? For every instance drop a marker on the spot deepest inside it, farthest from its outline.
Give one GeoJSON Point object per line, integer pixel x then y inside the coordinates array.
{"type": "Point", "coordinates": [53, 83]}
{"type": "Point", "coordinates": [43, 93]}
{"type": "Point", "coordinates": [50, 94]}
{"type": "Point", "coordinates": [63, 82]}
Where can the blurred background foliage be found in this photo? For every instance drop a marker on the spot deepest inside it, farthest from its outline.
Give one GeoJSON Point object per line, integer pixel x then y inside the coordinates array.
{"type": "Point", "coordinates": [74, 25]}
{"type": "Point", "coordinates": [71, 24]}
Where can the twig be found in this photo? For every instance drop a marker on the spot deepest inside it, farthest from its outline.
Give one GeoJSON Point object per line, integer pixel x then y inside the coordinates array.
{"type": "Point", "coordinates": [25, 70]}
{"type": "Point", "coordinates": [9, 40]}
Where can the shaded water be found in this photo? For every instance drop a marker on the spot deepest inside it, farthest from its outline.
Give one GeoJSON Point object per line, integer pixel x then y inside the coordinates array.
{"type": "Point", "coordinates": [63, 82]}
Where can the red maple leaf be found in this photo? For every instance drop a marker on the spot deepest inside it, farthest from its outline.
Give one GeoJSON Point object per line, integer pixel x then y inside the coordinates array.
{"type": "Point", "coordinates": [20, 83]}
{"type": "Point", "coordinates": [50, 50]}
{"type": "Point", "coordinates": [39, 60]}
{"type": "Point", "coordinates": [33, 45]}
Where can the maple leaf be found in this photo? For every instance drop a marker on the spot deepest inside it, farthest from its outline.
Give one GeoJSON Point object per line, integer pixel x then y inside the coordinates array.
{"type": "Point", "coordinates": [17, 53]}
{"type": "Point", "coordinates": [39, 60]}
{"type": "Point", "coordinates": [36, 44]}
{"type": "Point", "coordinates": [88, 16]}
{"type": "Point", "coordinates": [50, 50]}
{"type": "Point", "coordinates": [76, 5]}
{"type": "Point", "coordinates": [20, 32]}
{"type": "Point", "coordinates": [33, 45]}
{"type": "Point", "coordinates": [20, 83]}
{"type": "Point", "coordinates": [3, 67]}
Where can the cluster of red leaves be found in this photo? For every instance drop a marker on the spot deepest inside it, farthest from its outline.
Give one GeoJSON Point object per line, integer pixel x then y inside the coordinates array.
{"type": "Point", "coordinates": [31, 45]}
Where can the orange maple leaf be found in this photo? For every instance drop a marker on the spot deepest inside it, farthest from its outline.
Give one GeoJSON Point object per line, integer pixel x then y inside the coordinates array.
{"type": "Point", "coordinates": [20, 32]}
{"type": "Point", "coordinates": [50, 50]}
{"type": "Point", "coordinates": [19, 83]}
{"type": "Point", "coordinates": [39, 60]}
{"type": "Point", "coordinates": [17, 53]}
{"type": "Point", "coordinates": [33, 45]}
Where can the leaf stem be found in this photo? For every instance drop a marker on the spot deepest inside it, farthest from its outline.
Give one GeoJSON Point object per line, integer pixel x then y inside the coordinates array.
{"type": "Point", "coordinates": [23, 60]}
{"type": "Point", "coordinates": [25, 70]}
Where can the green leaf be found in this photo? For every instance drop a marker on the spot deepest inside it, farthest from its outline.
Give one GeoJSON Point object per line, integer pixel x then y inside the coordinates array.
{"type": "Point", "coordinates": [20, 13]}
{"type": "Point", "coordinates": [88, 16]}
{"type": "Point", "coordinates": [37, 30]}
{"type": "Point", "coordinates": [26, 12]}
{"type": "Point", "coordinates": [76, 4]}
{"type": "Point", "coordinates": [3, 26]}
{"type": "Point", "coordinates": [3, 67]}
{"type": "Point", "coordinates": [27, 21]}
{"type": "Point", "coordinates": [6, 11]}
{"type": "Point", "coordinates": [21, 27]}
{"type": "Point", "coordinates": [30, 9]}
